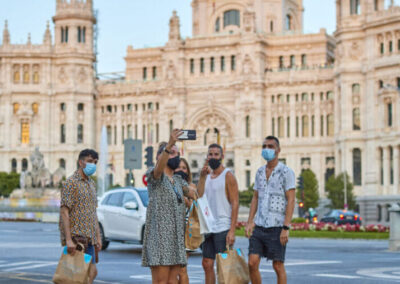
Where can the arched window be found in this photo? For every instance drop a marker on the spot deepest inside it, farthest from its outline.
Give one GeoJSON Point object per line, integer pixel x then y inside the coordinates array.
{"type": "Point", "coordinates": [322, 125]}
{"type": "Point", "coordinates": [26, 74]}
{"type": "Point", "coordinates": [303, 60]}
{"type": "Point", "coordinates": [62, 163]}
{"type": "Point", "coordinates": [130, 131]}
{"type": "Point", "coordinates": [80, 134]}
{"type": "Point", "coordinates": [389, 114]}
{"type": "Point", "coordinates": [288, 22]}
{"type": "Point", "coordinates": [212, 64]}
{"type": "Point", "coordinates": [273, 126]}
{"type": "Point", "coordinates": [62, 133]}
{"type": "Point", "coordinates": [171, 126]}
{"type": "Point", "coordinates": [354, 7]}
{"type": "Point", "coordinates": [356, 119]}
{"type": "Point", "coordinates": [232, 17]}
{"type": "Point", "coordinates": [247, 126]}
{"type": "Point", "coordinates": [81, 107]}
{"type": "Point", "coordinates": [355, 89]}
{"type": "Point", "coordinates": [109, 133]}
{"type": "Point", "coordinates": [280, 126]}
{"type": "Point", "coordinates": [271, 26]}
{"type": "Point", "coordinates": [66, 34]}
{"type": "Point", "coordinates": [205, 136]}
{"type": "Point", "coordinates": [84, 34]}
{"type": "Point", "coordinates": [144, 133]}
{"type": "Point", "coordinates": [387, 212]}
{"type": "Point", "coordinates": [280, 98]}
{"type": "Point", "coordinates": [330, 124]}
{"type": "Point", "coordinates": [304, 97]}
{"type": "Point", "coordinates": [14, 165]}
{"type": "Point", "coordinates": [217, 25]}
{"type": "Point", "coordinates": [381, 165]}
{"type": "Point", "coordinates": [391, 165]}
{"type": "Point", "coordinates": [281, 62]}
{"type": "Point", "coordinates": [35, 108]}
{"type": "Point", "coordinates": [16, 77]}
{"type": "Point", "coordinates": [62, 34]}
{"type": "Point", "coordinates": [202, 65]}
{"type": "Point", "coordinates": [305, 129]}
{"type": "Point", "coordinates": [15, 107]}
{"type": "Point", "coordinates": [313, 126]}
{"type": "Point", "coordinates": [357, 166]}
{"type": "Point", "coordinates": [79, 34]}
{"type": "Point", "coordinates": [288, 126]}
{"type": "Point", "coordinates": [157, 132]}
{"type": "Point", "coordinates": [35, 76]}
{"type": "Point", "coordinates": [376, 5]}
{"type": "Point", "coordinates": [62, 107]}
{"type": "Point", "coordinates": [24, 165]}
{"type": "Point", "coordinates": [379, 209]}
{"type": "Point", "coordinates": [292, 61]}
{"type": "Point", "coordinates": [191, 65]}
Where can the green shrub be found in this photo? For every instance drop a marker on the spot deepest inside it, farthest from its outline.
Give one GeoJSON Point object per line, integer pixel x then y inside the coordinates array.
{"type": "Point", "coordinates": [8, 182]}
{"type": "Point", "coordinates": [298, 220]}
{"type": "Point", "coordinates": [246, 196]}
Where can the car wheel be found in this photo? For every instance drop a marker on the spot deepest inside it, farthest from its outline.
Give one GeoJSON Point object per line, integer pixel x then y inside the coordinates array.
{"type": "Point", "coordinates": [103, 239]}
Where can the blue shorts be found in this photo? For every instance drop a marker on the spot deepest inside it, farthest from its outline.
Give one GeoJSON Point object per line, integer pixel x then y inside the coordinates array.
{"type": "Point", "coordinates": [90, 250]}
{"type": "Point", "coordinates": [214, 243]}
{"type": "Point", "coordinates": [266, 243]}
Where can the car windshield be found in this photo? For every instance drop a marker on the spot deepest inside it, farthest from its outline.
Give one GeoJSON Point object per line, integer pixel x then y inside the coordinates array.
{"type": "Point", "coordinates": [144, 196]}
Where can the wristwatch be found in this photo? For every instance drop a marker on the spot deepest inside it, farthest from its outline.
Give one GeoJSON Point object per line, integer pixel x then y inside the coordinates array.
{"type": "Point", "coordinates": [286, 228]}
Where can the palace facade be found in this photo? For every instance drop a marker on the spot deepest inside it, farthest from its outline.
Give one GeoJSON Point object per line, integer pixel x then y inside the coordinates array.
{"type": "Point", "coordinates": [248, 71]}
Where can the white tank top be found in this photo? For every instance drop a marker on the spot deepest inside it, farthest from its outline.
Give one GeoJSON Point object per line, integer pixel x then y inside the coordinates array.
{"type": "Point", "coordinates": [219, 205]}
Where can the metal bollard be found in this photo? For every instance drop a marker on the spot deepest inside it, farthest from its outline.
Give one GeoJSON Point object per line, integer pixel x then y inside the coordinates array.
{"type": "Point", "coordinates": [394, 239]}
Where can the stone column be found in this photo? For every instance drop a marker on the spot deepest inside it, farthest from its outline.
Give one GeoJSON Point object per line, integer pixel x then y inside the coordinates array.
{"type": "Point", "coordinates": [396, 173]}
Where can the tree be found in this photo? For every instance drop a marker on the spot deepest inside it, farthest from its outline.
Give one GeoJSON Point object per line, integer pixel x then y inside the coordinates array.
{"type": "Point", "coordinates": [8, 182]}
{"type": "Point", "coordinates": [310, 196]}
{"type": "Point", "coordinates": [246, 196]}
{"type": "Point", "coordinates": [335, 189]}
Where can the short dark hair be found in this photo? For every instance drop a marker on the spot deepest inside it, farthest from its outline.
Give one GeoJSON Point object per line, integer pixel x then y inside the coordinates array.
{"type": "Point", "coordinates": [273, 138]}
{"type": "Point", "coordinates": [88, 153]}
{"type": "Point", "coordinates": [161, 148]}
{"type": "Point", "coordinates": [215, 145]}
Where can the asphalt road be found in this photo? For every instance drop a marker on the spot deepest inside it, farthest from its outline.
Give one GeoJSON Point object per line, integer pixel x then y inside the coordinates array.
{"type": "Point", "coordinates": [29, 253]}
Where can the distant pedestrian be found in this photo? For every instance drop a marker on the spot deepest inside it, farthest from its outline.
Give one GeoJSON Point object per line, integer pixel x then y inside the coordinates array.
{"type": "Point", "coordinates": [272, 205]}
{"type": "Point", "coordinates": [164, 237]}
{"type": "Point", "coordinates": [184, 171]}
{"type": "Point", "coordinates": [78, 217]}
{"type": "Point", "coordinates": [221, 189]}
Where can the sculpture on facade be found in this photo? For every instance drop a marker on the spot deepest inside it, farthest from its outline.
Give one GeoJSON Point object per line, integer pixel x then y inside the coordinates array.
{"type": "Point", "coordinates": [41, 176]}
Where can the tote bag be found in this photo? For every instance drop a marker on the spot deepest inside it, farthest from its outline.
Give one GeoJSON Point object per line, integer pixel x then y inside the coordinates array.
{"type": "Point", "coordinates": [73, 269]}
{"type": "Point", "coordinates": [232, 267]}
{"type": "Point", "coordinates": [193, 238]}
{"type": "Point", "coordinates": [206, 218]}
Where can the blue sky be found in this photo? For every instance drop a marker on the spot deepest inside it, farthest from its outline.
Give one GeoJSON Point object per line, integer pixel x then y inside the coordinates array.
{"type": "Point", "coordinates": [140, 23]}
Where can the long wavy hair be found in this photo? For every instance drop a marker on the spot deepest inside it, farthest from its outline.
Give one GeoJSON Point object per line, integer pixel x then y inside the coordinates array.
{"type": "Point", "coordinates": [189, 179]}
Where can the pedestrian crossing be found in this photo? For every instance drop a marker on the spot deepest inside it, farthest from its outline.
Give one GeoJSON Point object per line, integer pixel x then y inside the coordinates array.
{"type": "Point", "coordinates": [6, 266]}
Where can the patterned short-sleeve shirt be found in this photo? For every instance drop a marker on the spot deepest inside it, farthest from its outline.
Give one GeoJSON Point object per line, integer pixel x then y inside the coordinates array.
{"type": "Point", "coordinates": [271, 195]}
{"type": "Point", "coordinates": [80, 196]}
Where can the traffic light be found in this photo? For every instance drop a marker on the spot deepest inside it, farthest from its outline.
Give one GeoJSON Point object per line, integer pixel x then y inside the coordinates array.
{"type": "Point", "coordinates": [300, 182]}
{"type": "Point", "coordinates": [149, 156]}
{"type": "Point", "coordinates": [301, 204]}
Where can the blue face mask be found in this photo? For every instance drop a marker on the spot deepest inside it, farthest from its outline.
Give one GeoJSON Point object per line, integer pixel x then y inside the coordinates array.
{"type": "Point", "coordinates": [268, 154]}
{"type": "Point", "coordinates": [90, 169]}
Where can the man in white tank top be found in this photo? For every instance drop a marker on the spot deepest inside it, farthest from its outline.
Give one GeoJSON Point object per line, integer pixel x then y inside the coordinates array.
{"type": "Point", "coordinates": [221, 189]}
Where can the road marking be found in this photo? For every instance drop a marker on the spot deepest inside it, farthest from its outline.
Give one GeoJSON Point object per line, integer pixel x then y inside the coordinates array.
{"type": "Point", "coordinates": [313, 262]}
{"type": "Point", "coordinates": [267, 270]}
{"type": "Point", "coordinates": [16, 263]}
{"type": "Point", "coordinates": [381, 272]}
{"type": "Point", "coordinates": [22, 245]}
{"type": "Point", "coordinates": [43, 264]}
{"type": "Point", "coordinates": [337, 276]}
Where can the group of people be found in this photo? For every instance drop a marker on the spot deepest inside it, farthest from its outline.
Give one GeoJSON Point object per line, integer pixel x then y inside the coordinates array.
{"type": "Point", "coordinates": [171, 192]}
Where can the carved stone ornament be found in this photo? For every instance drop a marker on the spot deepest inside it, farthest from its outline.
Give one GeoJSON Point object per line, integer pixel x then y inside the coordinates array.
{"type": "Point", "coordinates": [247, 65]}
{"type": "Point", "coordinates": [62, 76]}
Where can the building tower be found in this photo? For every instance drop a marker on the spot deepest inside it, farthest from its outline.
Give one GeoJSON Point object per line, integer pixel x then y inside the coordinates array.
{"type": "Point", "coordinates": [367, 110]}
{"type": "Point", "coordinates": [74, 82]}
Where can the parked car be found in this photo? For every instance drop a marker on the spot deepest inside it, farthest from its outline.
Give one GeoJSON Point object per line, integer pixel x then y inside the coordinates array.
{"type": "Point", "coordinates": [122, 215]}
{"type": "Point", "coordinates": [339, 217]}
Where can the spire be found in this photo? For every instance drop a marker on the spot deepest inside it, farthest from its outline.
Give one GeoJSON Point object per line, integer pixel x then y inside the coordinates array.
{"type": "Point", "coordinates": [6, 34]}
{"type": "Point", "coordinates": [174, 32]}
{"type": "Point", "coordinates": [29, 42]}
{"type": "Point", "coordinates": [47, 34]}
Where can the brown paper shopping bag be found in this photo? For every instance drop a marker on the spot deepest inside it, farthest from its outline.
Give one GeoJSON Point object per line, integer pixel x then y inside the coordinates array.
{"type": "Point", "coordinates": [193, 238]}
{"type": "Point", "coordinates": [73, 269]}
{"type": "Point", "coordinates": [232, 267]}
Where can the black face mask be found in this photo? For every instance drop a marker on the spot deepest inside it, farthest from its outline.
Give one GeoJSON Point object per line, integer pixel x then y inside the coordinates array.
{"type": "Point", "coordinates": [182, 174]}
{"type": "Point", "coordinates": [214, 163]}
{"type": "Point", "coordinates": [173, 163]}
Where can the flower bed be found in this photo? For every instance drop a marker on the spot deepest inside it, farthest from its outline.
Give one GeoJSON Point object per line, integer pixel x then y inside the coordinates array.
{"type": "Point", "coordinates": [331, 227]}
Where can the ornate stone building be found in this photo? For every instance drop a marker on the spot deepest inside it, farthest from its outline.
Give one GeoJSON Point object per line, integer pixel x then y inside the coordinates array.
{"type": "Point", "coordinates": [247, 71]}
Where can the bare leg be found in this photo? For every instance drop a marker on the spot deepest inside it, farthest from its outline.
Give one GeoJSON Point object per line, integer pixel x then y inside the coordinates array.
{"type": "Point", "coordinates": [183, 276]}
{"type": "Point", "coordinates": [173, 274]}
{"type": "Point", "coordinates": [208, 266]}
{"type": "Point", "coordinates": [254, 264]}
{"type": "Point", "coordinates": [160, 274]}
{"type": "Point", "coordinates": [92, 272]}
{"type": "Point", "coordinates": [279, 268]}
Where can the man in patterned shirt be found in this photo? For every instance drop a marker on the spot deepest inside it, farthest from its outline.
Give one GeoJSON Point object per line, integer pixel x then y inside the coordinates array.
{"type": "Point", "coordinates": [78, 218]}
{"type": "Point", "coordinates": [273, 201]}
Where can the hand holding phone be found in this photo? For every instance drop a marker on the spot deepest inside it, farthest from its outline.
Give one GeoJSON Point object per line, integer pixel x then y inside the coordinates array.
{"type": "Point", "coordinates": [188, 135]}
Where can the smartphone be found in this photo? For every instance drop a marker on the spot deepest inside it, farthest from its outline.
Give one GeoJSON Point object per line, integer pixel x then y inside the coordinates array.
{"type": "Point", "coordinates": [188, 135]}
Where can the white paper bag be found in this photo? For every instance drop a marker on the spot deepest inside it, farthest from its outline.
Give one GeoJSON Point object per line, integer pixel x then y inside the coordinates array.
{"type": "Point", "coordinates": [206, 218]}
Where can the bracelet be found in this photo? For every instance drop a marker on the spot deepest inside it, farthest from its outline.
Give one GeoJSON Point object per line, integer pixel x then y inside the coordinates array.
{"type": "Point", "coordinates": [166, 151]}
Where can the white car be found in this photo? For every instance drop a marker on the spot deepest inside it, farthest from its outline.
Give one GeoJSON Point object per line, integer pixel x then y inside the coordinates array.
{"type": "Point", "coordinates": [122, 215]}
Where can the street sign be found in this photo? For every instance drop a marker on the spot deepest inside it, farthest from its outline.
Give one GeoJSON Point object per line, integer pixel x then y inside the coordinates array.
{"type": "Point", "coordinates": [132, 154]}
{"type": "Point", "coordinates": [144, 179]}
